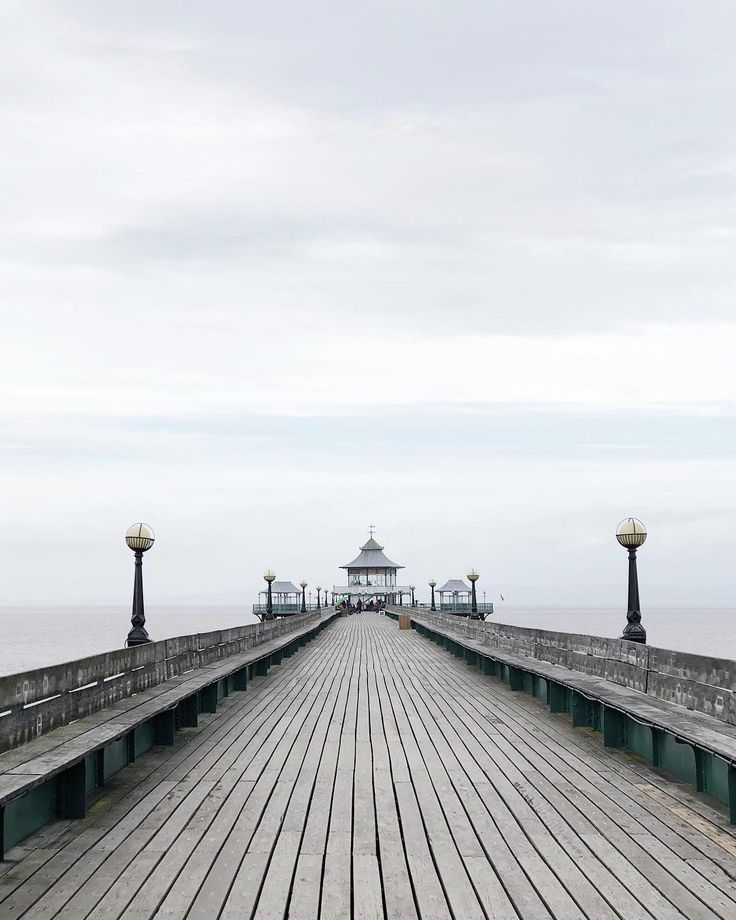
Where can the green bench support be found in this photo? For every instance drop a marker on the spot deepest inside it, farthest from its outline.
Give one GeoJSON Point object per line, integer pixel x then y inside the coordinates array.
{"type": "Point", "coordinates": [556, 697]}
{"type": "Point", "coordinates": [471, 657]}
{"type": "Point", "coordinates": [208, 698]}
{"type": "Point", "coordinates": [516, 678]}
{"type": "Point", "coordinates": [189, 712]}
{"type": "Point", "coordinates": [71, 792]}
{"type": "Point", "coordinates": [130, 742]}
{"type": "Point", "coordinates": [613, 726]}
{"type": "Point", "coordinates": [732, 793]}
{"type": "Point", "coordinates": [262, 666]}
{"type": "Point", "coordinates": [164, 727]}
{"type": "Point", "coordinates": [240, 679]}
{"type": "Point", "coordinates": [580, 710]}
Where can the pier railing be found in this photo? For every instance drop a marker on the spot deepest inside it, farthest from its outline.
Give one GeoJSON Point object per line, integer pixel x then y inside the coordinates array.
{"type": "Point", "coordinates": [697, 682]}
{"type": "Point", "coordinates": [673, 709]}
{"type": "Point", "coordinates": [35, 702]}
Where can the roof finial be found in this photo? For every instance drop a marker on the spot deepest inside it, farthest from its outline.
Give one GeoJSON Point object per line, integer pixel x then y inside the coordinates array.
{"type": "Point", "coordinates": [371, 529]}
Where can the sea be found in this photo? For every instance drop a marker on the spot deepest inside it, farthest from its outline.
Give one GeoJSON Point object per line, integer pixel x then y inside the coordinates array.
{"type": "Point", "coordinates": [34, 636]}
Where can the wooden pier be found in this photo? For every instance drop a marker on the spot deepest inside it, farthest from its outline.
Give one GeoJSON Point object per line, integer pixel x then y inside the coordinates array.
{"type": "Point", "coordinates": [372, 775]}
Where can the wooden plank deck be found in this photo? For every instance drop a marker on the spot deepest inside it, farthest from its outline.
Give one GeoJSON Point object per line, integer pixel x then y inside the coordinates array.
{"type": "Point", "coordinates": [373, 775]}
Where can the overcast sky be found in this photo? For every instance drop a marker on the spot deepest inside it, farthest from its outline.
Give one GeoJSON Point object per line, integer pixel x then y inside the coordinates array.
{"type": "Point", "coordinates": [273, 271]}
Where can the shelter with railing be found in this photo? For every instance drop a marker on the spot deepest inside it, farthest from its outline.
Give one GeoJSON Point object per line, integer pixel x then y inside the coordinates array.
{"type": "Point", "coordinates": [286, 599]}
{"type": "Point", "coordinates": [455, 597]}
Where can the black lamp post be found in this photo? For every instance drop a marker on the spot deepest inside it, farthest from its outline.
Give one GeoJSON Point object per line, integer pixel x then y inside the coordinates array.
{"type": "Point", "coordinates": [412, 589]}
{"type": "Point", "coordinates": [473, 576]}
{"type": "Point", "coordinates": [269, 576]}
{"type": "Point", "coordinates": [433, 585]}
{"type": "Point", "coordinates": [631, 533]}
{"type": "Point", "coordinates": [319, 588]}
{"type": "Point", "coordinates": [140, 538]}
{"type": "Point", "coordinates": [401, 598]}
{"type": "Point", "coordinates": [303, 586]}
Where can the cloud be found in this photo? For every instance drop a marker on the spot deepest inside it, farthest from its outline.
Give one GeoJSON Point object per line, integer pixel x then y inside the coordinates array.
{"type": "Point", "coordinates": [275, 269]}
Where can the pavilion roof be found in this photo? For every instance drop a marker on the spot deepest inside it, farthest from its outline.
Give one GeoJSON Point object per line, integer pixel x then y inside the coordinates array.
{"type": "Point", "coordinates": [455, 584]}
{"type": "Point", "coordinates": [282, 587]}
{"type": "Point", "coordinates": [371, 557]}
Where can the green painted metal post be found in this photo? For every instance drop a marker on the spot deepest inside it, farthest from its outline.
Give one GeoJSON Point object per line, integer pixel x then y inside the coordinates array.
{"type": "Point", "coordinates": [516, 678]}
{"type": "Point", "coordinates": [71, 791]}
{"type": "Point", "coordinates": [732, 793]}
{"type": "Point", "coordinates": [656, 747]}
{"type": "Point", "coordinates": [699, 769]}
{"type": "Point", "coordinates": [208, 698]}
{"type": "Point", "coordinates": [164, 728]}
{"type": "Point", "coordinates": [612, 727]}
{"type": "Point", "coordinates": [579, 710]}
{"type": "Point", "coordinates": [130, 743]}
{"type": "Point", "coordinates": [262, 667]}
{"type": "Point", "coordinates": [99, 762]}
{"type": "Point", "coordinates": [189, 711]}
{"type": "Point", "coordinates": [240, 679]}
{"type": "Point", "coordinates": [556, 697]}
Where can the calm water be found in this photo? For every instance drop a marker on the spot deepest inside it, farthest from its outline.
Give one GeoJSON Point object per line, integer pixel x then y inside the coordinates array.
{"type": "Point", "coordinates": [36, 636]}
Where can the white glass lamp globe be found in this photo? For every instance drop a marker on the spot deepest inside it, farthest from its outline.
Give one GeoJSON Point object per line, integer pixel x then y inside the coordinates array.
{"type": "Point", "coordinates": [631, 532]}
{"type": "Point", "coordinates": [140, 537]}
{"type": "Point", "coordinates": [412, 587]}
{"type": "Point", "coordinates": [318, 587]}
{"type": "Point", "coordinates": [473, 575]}
{"type": "Point", "coordinates": [303, 583]}
{"type": "Point", "coordinates": [269, 575]}
{"type": "Point", "coordinates": [433, 583]}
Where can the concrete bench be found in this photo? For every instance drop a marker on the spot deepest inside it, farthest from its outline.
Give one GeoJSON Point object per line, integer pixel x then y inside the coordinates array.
{"type": "Point", "coordinates": [694, 746]}
{"type": "Point", "coordinates": [52, 775]}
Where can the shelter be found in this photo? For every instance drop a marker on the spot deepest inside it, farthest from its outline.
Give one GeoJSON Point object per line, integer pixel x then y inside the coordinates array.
{"type": "Point", "coordinates": [455, 596]}
{"type": "Point", "coordinates": [286, 598]}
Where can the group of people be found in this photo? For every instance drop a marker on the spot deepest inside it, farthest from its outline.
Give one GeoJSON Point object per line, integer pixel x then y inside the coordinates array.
{"type": "Point", "coordinates": [348, 607]}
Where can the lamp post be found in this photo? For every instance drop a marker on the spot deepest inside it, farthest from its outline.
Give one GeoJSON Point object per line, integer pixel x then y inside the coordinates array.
{"type": "Point", "coordinates": [319, 588]}
{"type": "Point", "coordinates": [303, 586]}
{"type": "Point", "coordinates": [473, 576]}
{"type": "Point", "coordinates": [269, 575]}
{"type": "Point", "coordinates": [433, 585]}
{"type": "Point", "coordinates": [412, 588]}
{"type": "Point", "coordinates": [401, 598]}
{"type": "Point", "coordinates": [140, 538]}
{"type": "Point", "coordinates": [631, 533]}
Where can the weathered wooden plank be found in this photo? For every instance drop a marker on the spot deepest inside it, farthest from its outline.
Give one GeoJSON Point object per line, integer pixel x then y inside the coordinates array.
{"type": "Point", "coordinates": [413, 784]}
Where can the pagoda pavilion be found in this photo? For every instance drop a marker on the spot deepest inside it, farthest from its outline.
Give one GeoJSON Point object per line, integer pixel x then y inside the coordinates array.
{"type": "Point", "coordinates": [371, 575]}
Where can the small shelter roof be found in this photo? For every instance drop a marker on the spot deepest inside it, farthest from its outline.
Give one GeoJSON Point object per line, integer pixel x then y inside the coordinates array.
{"type": "Point", "coordinates": [371, 557]}
{"type": "Point", "coordinates": [455, 584]}
{"type": "Point", "coordinates": [282, 587]}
